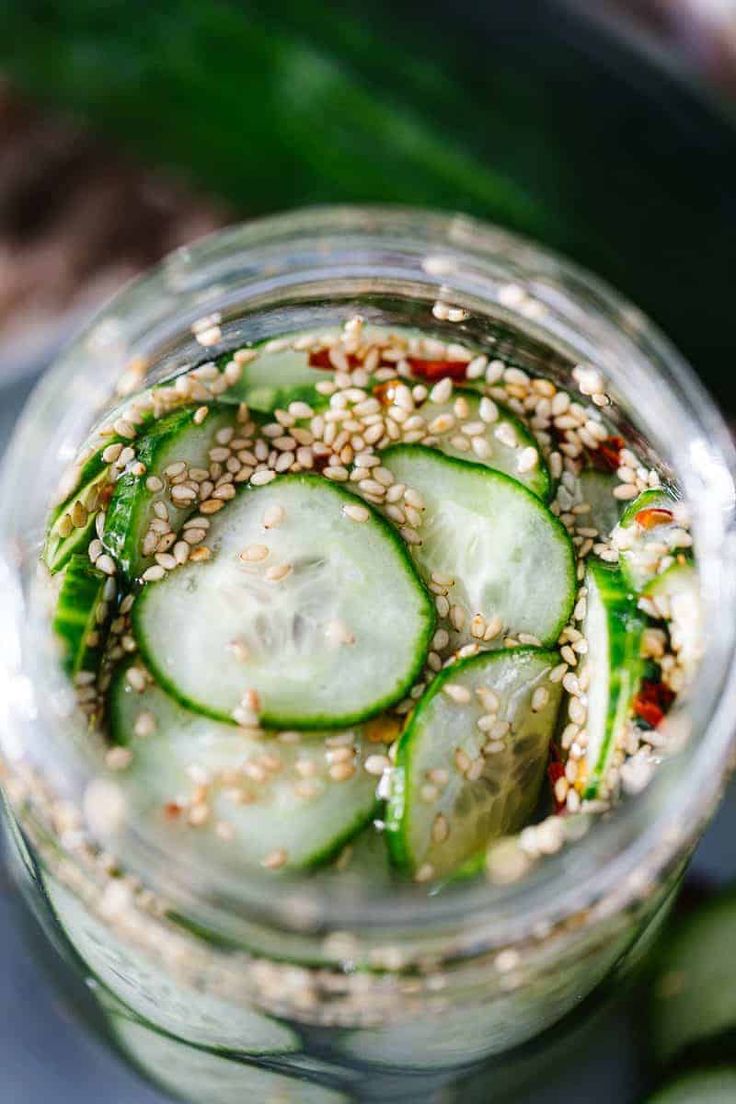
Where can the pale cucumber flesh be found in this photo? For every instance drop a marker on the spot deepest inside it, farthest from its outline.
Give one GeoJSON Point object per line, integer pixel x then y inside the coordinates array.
{"type": "Point", "coordinates": [435, 775]}
{"type": "Point", "coordinates": [508, 556]}
{"type": "Point", "coordinates": [309, 643]}
{"type": "Point", "coordinates": [264, 797]}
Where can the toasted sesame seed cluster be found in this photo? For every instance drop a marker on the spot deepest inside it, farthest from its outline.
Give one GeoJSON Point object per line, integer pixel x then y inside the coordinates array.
{"type": "Point", "coordinates": [374, 391]}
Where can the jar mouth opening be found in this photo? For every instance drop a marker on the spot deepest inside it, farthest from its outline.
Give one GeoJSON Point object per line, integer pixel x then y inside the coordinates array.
{"type": "Point", "coordinates": [274, 271]}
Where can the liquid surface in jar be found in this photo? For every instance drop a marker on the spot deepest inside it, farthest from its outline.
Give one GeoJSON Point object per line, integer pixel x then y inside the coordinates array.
{"type": "Point", "coordinates": [377, 602]}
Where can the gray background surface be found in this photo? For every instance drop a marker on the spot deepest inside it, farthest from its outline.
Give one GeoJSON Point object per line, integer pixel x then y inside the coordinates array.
{"type": "Point", "coordinates": [46, 1056]}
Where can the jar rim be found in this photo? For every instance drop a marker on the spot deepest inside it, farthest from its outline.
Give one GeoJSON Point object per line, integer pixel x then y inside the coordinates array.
{"type": "Point", "coordinates": [471, 262]}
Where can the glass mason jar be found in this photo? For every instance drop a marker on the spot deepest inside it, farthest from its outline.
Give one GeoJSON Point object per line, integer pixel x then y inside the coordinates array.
{"type": "Point", "coordinates": [218, 986]}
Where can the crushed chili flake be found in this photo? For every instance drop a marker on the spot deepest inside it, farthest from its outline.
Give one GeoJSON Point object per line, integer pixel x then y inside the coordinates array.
{"type": "Point", "coordinates": [386, 391]}
{"type": "Point", "coordinates": [652, 702]}
{"type": "Point", "coordinates": [607, 457]}
{"type": "Point", "coordinates": [321, 359]}
{"type": "Point", "coordinates": [434, 370]}
{"type": "Point", "coordinates": [172, 810]}
{"type": "Point", "coordinates": [651, 516]}
{"type": "Point", "coordinates": [555, 771]}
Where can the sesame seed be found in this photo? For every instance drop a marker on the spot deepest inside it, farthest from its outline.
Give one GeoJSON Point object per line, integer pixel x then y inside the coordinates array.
{"type": "Point", "coordinates": [457, 693]}
{"type": "Point", "coordinates": [410, 535]}
{"type": "Point", "coordinates": [505, 433]}
{"type": "Point", "coordinates": [112, 452]}
{"type": "Point", "coordinates": [123, 428]}
{"type": "Point", "coordinates": [528, 459]}
{"type": "Point", "coordinates": [273, 516]}
{"type": "Point", "coordinates": [118, 758]}
{"type": "Point", "coordinates": [625, 492]}
{"type": "Point", "coordinates": [194, 536]}
{"type": "Point", "coordinates": [462, 760]}
{"type": "Point", "coordinates": [440, 828]}
{"type": "Point", "coordinates": [212, 505]}
{"type": "Point", "coordinates": [166, 560]}
{"type": "Point", "coordinates": [145, 724]}
{"type": "Point", "coordinates": [576, 710]}
{"type": "Point", "coordinates": [153, 574]}
{"type": "Point", "coordinates": [136, 679]}
{"type": "Point", "coordinates": [261, 478]}
{"type": "Point", "coordinates": [79, 515]}
{"type": "Point", "coordinates": [486, 722]}
{"type": "Point", "coordinates": [356, 512]}
{"type": "Point", "coordinates": [481, 447]}
{"type": "Point", "coordinates": [105, 564]}
{"type": "Point", "coordinates": [540, 697]}
{"type": "Point", "coordinates": [64, 526]}
{"type": "Point", "coordinates": [275, 859]}
{"type": "Point", "coordinates": [442, 391]}
{"type": "Point", "coordinates": [339, 474]}
{"type": "Point", "coordinates": [377, 764]}
{"type": "Point", "coordinates": [200, 414]}
{"type": "Point", "coordinates": [341, 772]}
{"type": "Point", "coordinates": [457, 617]}
{"type": "Point", "coordinates": [478, 627]}
{"type": "Point", "coordinates": [278, 572]}
{"type": "Point", "coordinates": [425, 873]}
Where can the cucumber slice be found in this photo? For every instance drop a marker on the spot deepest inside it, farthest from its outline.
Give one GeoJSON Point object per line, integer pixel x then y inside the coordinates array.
{"type": "Point", "coordinates": [273, 380]}
{"type": "Point", "coordinates": [172, 439]}
{"type": "Point", "coordinates": [316, 651]}
{"type": "Point", "coordinates": [271, 797]}
{"type": "Point", "coordinates": [643, 546]}
{"type": "Point", "coordinates": [444, 735]}
{"type": "Point", "coordinates": [612, 629]}
{"type": "Point", "coordinates": [144, 986]}
{"type": "Point", "coordinates": [694, 994]}
{"type": "Point", "coordinates": [596, 488]}
{"type": "Point", "coordinates": [502, 445]}
{"type": "Point", "coordinates": [74, 524]}
{"type": "Point", "coordinates": [509, 556]}
{"type": "Point", "coordinates": [676, 598]}
{"type": "Point", "coordinates": [211, 1078]}
{"type": "Point", "coordinates": [714, 1086]}
{"type": "Point", "coordinates": [80, 615]}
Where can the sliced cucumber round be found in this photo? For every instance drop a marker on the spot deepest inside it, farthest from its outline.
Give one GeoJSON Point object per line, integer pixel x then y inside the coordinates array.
{"type": "Point", "coordinates": [143, 985]}
{"type": "Point", "coordinates": [321, 617]}
{"type": "Point", "coordinates": [713, 1086]}
{"type": "Point", "coordinates": [173, 439]}
{"type": "Point", "coordinates": [504, 444]}
{"type": "Point", "coordinates": [612, 629]}
{"type": "Point", "coordinates": [509, 557]}
{"type": "Point", "coordinates": [676, 598]}
{"type": "Point", "coordinates": [211, 1078]}
{"type": "Point", "coordinates": [263, 797]}
{"type": "Point", "coordinates": [74, 524]}
{"type": "Point", "coordinates": [694, 994]}
{"type": "Point", "coordinates": [642, 535]}
{"type": "Point", "coordinates": [273, 380]}
{"type": "Point", "coordinates": [471, 761]}
{"type": "Point", "coordinates": [596, 489]}
{"type": "Point", "coordinates": [80, 615]}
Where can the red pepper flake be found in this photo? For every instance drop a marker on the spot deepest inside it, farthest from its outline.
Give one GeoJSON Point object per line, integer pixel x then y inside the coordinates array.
{"type": "Point", "coordinates": [172, 810]}
{"type": "Point", "coordinates": [651, 516]}
{"type": "Point", "coordinates": [607, 457]}
{"type": "Point", "coordinates": [386, 391]}
{"type": "Point", "coordinates": [652, 702]}
{"type": "Point", "coordinates": [321, 359]}
{"type": "Point", "coordinates": [555, 771]}
{"type": "Point", "coordinates": [433, 370]}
